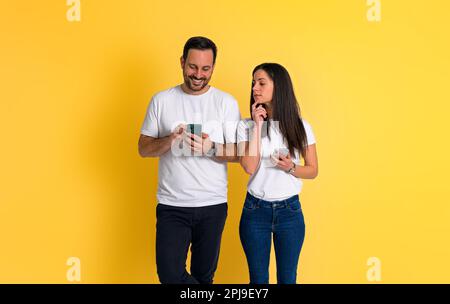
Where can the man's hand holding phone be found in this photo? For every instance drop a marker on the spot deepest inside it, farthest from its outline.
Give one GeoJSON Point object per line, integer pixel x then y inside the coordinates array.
{"type": "Point", "coordinates": [176, 137]}
{"type": "Point", "coordinates": [199, 142]}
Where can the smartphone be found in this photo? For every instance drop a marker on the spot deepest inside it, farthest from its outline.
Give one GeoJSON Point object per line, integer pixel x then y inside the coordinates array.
{"type": "Point", "coordinates": [283, 152]}
{"type": "Point", "coordinates": [194, 129]}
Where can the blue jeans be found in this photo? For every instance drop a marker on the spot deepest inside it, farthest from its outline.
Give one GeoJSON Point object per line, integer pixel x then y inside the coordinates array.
{"type": "Point", "coordinates": [259, 221]}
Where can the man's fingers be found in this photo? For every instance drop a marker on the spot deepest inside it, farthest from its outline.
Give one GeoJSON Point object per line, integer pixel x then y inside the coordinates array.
{"type": "Point", "coordinates": [180, 129]}
{"type": "Point", "coordinates": [187, 140]}
{"type": "Point", "coordinates": [197, 145]}
{"type": "Point", "coordinates": [194, 143]}
{"type": "Point", "coordinates": [197, 149]}
{"type": "Point", "coordinates": [196, 138]}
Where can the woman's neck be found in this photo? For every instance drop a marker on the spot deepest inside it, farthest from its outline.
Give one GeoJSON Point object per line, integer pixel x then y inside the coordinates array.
{"type": "Point", "coordinates": [269, 109]}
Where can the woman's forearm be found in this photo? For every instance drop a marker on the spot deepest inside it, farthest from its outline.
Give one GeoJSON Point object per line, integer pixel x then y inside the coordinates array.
{"type": "Point", "coordinates": [251, 158]}
{"type": "Point", "coordinates": [305, 172]}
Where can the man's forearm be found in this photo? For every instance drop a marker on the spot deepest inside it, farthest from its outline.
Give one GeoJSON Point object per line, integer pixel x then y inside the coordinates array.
{"type": "Point", "coordinates": [226, 153]}
{"type": "Point", "coordinates": [155, 147]}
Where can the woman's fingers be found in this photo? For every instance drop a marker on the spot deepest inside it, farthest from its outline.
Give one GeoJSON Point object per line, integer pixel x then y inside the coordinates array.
{"type": "Point", "coordinates": [259, 111]}
{"type": "Point", "coordinates": [275, 159]}
{"type": "Point", "coordinates": [285, 158]}
{"type": "Point", "coordinates": [282, 164]}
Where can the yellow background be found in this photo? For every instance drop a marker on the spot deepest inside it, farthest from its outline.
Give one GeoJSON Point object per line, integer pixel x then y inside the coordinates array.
{"type": "Point", "coordinates": [74, 94]}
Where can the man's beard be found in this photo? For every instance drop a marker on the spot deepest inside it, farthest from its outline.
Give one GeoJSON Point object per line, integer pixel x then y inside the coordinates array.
{"type": "Point", "coordinates": [190, 82]}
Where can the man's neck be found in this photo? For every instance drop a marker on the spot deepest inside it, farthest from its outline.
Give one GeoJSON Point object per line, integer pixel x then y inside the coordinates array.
{"type": "Point", "coordinates": [186, 90]}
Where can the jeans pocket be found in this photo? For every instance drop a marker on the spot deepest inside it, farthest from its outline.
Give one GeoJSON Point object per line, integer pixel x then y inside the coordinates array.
{"type": "Point", "coordinates": [250, 205]}
{"type": "Point", "coordinates": [295, 207]}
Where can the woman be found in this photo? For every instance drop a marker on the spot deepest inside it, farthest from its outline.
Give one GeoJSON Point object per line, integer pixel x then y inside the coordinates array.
{"type": "Point", "coordinates": [270, 146]}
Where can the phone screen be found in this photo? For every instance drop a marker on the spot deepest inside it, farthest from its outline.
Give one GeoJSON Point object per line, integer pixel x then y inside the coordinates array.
{"type": "Point", "coordinates": [194, 129]}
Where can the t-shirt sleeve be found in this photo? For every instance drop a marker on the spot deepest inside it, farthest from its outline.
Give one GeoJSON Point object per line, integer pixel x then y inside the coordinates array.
{"type": "Point", "coordinates": [150, 125]}
{"type": "Point", "coordinates": [309, 133]}
{"type": "Point", "coordinates": [231, 121]}
{"type": "Point", "coordinates": [243, 131]}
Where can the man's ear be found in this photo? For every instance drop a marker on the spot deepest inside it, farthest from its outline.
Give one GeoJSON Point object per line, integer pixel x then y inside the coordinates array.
{"type": "Point", "coordinates": [182, 62]}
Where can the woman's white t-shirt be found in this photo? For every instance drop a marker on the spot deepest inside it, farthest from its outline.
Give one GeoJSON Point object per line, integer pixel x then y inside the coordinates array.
{"type": "Point", "coordinates": [269, 182]}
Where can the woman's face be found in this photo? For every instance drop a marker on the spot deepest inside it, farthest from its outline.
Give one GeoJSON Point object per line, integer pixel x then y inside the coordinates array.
{"type": "Point", "coordinates": [262, 87]}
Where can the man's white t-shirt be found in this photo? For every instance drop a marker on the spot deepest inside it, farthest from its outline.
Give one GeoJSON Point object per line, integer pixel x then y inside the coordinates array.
{"type": "Point", "coordinates": [192, 181]}
{"type": "Point", "coordinates": [269, 182]}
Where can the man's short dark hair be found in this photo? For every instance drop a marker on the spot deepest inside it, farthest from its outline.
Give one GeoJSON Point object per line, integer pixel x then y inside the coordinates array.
{"type": "Point", "coordinates": [200, 43]}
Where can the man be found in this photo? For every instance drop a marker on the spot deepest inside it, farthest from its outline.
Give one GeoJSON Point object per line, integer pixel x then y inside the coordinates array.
{"type": "Point", "coordinates": [192, 187]}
